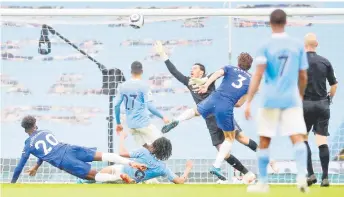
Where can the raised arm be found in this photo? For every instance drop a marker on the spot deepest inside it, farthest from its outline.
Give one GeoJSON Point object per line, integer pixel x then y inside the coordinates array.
{"type": "Point", "coordinates": [25, 156]}
{"type": "Point", "coordinates": [212, 79]}
{"type": "Point", "coordinates": [173, 70]}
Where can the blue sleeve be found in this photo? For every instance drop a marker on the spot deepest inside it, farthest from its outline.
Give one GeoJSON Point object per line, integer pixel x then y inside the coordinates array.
{"type": "Point", "coordinates": [39, 161]}
{"type": "Point", "coordinates": [25, 156]}
{"type": "Point", "coordinates": [154, 110]}
{"type": "Point", "coordinates": [137, 153]}
{"type": "Point", "coordinates": [117, 103]}
{"type": "Point", "coordinates": [227, 69]}
{"type": "Point", "coordinates": [303, 59]}
{"type": "Point", "coordinates": [150, 105]}
{"type": "Point", "coordinates": [170, 175]}
{"type": "Point", "coordinates": [260, 56]}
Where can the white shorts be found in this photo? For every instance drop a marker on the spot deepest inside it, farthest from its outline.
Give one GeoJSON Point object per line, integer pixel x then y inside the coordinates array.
{"type": "Point", "coordinates": [288, 121]}
{"type": "Point", "coordinates": [146, 135]}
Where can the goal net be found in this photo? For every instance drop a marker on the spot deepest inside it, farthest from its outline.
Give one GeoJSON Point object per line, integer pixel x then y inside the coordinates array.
{"type": "Point", "coordinates": [65, 71]}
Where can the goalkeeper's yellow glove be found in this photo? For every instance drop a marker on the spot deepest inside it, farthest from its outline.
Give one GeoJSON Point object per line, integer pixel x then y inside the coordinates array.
{"type": "Point", "coordinates": [197, 82]}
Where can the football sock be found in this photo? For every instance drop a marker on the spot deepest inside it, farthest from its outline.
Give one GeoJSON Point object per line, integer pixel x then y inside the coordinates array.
{"type": "Point", "coordinates": [112, 157]}
{"type": "Point", "coordinates": [309, 160]}
{"type": "Point", "coordinates": [104, 177]}
{"type": "Point", "coordinates": [263, 161]}
{"type": "Point", "coordinates": [224, 150]}
{"type": "Point", "coordinates": [324, 155]}
{"type": "Point", "coordinates": [236, 164]}
{"type": "Point", "coordinates": [252, 145]}
{"type": "Point", "coordinates": [300, 154]}
{"type": "Point", "coordinates": [186, 115]}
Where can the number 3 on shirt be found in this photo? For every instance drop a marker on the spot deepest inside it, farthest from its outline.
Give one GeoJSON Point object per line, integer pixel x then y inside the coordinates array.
{"type": "Point", "coordinates": [239, 82]}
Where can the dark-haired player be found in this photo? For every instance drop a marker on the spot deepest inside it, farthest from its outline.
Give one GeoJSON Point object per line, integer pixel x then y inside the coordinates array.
{"type": "Point", "coordinates": [152, 155]}
{"type": "Point", "coordinates": [283, 62]}
{"type": "Point", "coordinates": [69, 158]}
{"type": "Point", "coordinates": [219, 105]}
{"type": "Point", "coordinates": [136, 95]}
{"type": "Point", "coordinates": [198, 77]}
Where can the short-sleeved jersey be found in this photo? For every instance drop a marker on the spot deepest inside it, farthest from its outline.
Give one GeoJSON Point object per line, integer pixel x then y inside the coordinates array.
{"type": "Point", "coordinates": [155, 167]}
{"type": "Point", "coordinates": [43, 145]}
{"type": "Point", "coordinates": [135, 95]}
{"type": "Point", "coordinates": [234, 84]}
{"type": "Point", "coordinates": [284, 58]}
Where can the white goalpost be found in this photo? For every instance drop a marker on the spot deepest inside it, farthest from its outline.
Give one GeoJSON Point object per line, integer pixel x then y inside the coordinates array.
{"type": "Point", "coordinates": [84, 54]}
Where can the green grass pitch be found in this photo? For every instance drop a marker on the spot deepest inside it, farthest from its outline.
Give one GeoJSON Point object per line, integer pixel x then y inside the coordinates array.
{"type": "Point", "coordinates": [145, 190]}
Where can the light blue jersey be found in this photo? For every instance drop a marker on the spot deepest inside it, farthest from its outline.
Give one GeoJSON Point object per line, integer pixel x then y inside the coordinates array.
{"type": "Point", "coordinates": [137, 104]}
{"type": "Point", "coordinates": [284, 58]}
{"type": "Point", "coordinates": [155, 167]}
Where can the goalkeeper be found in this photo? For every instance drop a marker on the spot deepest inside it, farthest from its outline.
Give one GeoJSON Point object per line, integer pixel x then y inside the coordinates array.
{"type": "Point", "coordinates": [198, 77]}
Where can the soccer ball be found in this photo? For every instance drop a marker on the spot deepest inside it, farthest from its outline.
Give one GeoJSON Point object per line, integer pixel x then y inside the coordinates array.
{"type": "Point", "coordinates": [136, 21]}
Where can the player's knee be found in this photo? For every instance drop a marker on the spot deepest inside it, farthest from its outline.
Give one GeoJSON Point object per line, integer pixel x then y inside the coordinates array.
{"type": "Point", "coordinates": [264, 142]}
{"type": "Point", "coordinates": [229, 136]}
{"type": "Point", "coordinates": [297, 138]}
{"type": "Point", "coordinates": [320, 139]}
{"type": "Point", "coordinates": [227, 156]}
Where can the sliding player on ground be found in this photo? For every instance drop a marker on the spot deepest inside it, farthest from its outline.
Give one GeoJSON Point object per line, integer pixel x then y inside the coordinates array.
{"type": "Point", "coordinates": [69, 158]}
{"type": "Point", "coordinates": [152, 156]}
{"type": "Point", "coordinates": [283, 61]}
{"type": "Point", "coordinates": [217, 108]}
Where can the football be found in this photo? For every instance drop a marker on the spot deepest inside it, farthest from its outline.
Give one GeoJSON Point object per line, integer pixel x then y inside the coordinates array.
{"type": "Point", "coordinates": [136, 21]}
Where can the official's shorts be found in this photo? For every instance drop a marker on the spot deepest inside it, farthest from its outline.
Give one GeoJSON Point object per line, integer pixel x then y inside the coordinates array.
{"type": "Point", "coordinates": [75, 160]}
{"type": "Point", "coordinates": [317, 115]}
{"type": "Point", "coordinates": [221, 108]}
{"type": "Point", "coordinates": [145, 135]}
{"type": "Point", "coordinates": [288, 121]}
{"type": "Point", "coordinates": [216, 134]}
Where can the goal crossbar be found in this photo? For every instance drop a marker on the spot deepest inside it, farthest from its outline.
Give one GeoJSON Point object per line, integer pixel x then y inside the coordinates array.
{"type": "Point", "coordinates": [168, 12]}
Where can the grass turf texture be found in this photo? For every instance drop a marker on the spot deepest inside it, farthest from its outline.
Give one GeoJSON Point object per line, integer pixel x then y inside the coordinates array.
{"type": "Point", "coordinates": [144, 190]}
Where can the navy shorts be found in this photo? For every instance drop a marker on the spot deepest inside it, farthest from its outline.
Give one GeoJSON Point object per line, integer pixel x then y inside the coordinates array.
{"type": "Point", "coordinates": [75, 160]}
{"type": "Point", "coordinates": [222, 109]}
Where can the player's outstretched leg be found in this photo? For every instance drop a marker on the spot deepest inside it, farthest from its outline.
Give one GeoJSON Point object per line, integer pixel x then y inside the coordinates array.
{"type": "Point", "coordinates": [186, 115]}
{"type": "Point", "coordinates": [224, 150]}
{"type": "Point", "coordinates": [263, 161]}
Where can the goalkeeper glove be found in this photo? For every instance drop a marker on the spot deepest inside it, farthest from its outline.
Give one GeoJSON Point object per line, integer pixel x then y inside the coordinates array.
{"type": "Point", "coordinates": [197, 82]}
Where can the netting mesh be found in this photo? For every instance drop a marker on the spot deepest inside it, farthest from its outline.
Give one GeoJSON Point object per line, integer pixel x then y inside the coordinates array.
{"type": "Point", "coordinates": [70, 90]}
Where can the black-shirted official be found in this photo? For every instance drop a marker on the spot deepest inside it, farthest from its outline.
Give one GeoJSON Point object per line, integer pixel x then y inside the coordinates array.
{"type": "Point", "coordinates": [316, 106]}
